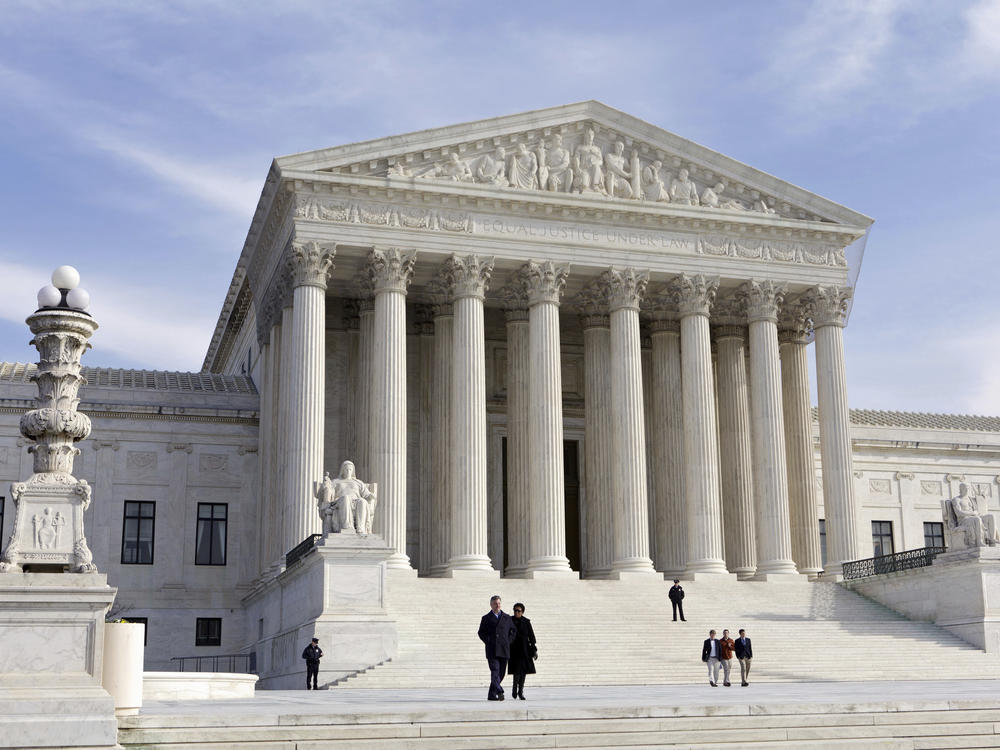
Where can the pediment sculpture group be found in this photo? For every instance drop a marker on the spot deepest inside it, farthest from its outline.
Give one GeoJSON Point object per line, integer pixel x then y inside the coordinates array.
{"type": "Point", "coordinates": [345, 504]}
{"type": "Point", "coordinates": [966, 521]}
{"type": "Point", "coordinates": [585, 169]}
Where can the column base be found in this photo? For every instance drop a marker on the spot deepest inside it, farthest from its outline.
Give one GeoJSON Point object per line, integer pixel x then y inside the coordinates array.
{"type": "Point", "coordinates": [744, 574]}
{"type": "Point", "coordinates": [553, 564]}
{"type": "Point", "coordinates": [486, 574]}
{"type": "Point", "coordinates": [705, 566]}
{"type": "Point", "coordinates": [469, 562]}
{"type": "Point", "coordinates": [398, 561]}
{"type": "Point", "coordinates": [777, 567]}
{"type": "Point", "coordinates": [536, 574]}
{"type": "Point", "coordinates": [639, 565]}
{"type": "Point", "coordinates": [781, 578]}
{"type": "Point", "coordinates": [832, 572]}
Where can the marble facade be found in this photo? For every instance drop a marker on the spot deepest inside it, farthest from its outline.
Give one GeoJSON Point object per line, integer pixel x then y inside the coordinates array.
{"type": "Point", "coordinates": [561, 343]}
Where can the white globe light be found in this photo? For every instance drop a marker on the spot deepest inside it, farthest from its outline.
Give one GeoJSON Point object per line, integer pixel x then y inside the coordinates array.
{"type": "Point", "coordinates": [78, 299]}
{"type": "Point", "coordinates": [49, 296]}
{"type": "Point", "coordinates": [66, 277]}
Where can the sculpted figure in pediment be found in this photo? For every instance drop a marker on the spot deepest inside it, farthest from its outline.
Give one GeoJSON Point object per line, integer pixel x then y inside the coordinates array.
{"type": "Point", "coordinates": [761, 205]}
{"type": "Point", "coordinates": [617, 178]}
{"type": "Point", "coordinates": [588, 166]}
{"type": "Point", "coordinates": [523, 172]}
{"type": "Point", "coordinates": [554, 170]}
{"type": "Point", "coordinates": [653, 188]}
{"type": "Point", "coordinates": [492, 169]}
{"type": "Point", "coordinates": [683, 191]}
{"type": "Point", "coordinates": [451, 168]}
{"type": "Point", "coordinates": [398, 170]}
{"type": "Point", "coordinates": [711, 197]}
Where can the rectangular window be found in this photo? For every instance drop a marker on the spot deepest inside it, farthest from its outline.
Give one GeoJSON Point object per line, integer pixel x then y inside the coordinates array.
{"type": "Point", "coordinates": [208, 631]}
{"type": "Point", "coordinates": [882, 538]}
{"type": "Point", "coordinates": [933, 534]}
{"type": "Point", "coordinates": [822, 540]}
{"type": "Point", "coordinates": [144, 621]}
{"type": "Point", "coordinates": [137, 533]}
{"type": "Point", "coordinates": [210, 541]}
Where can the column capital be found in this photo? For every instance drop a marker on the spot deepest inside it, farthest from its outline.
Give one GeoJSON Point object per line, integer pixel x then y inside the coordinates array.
{"type": "Point", "coordinates": [439, 292]}
{"type": "Point", "coordinates": [729, 310]}
{"type": "Point", "coordinates": [592, 302]}
{"type": "Point", "coordinates": [390, 269]}
{"type": "Point", "coordinates": [265, 319]}
{"type": "Point", "coordinates": [693, 294]}
{"type": "Point", "coordinates": [763, 299]}
{"type": "Point", "coordinates": [626, 287]}
{"type": "Point", "coordinates": [424, 315]}
{"type": "Point", "coordinates": [514, 296]}
{"type": "Point", "coordinates": [795, 323]}
{"type": "Point", "coordinates": [468, 276]}
{"type": "Point", "coordinates": [665, 325]}
{"type": "Point", "coordinates": [544, 281]}
{"type": "Point", "coordinates": [310, 263]}
{"type": "Point", "coordinates": [829, 304]}
{"type": "Point", "coordinates": [724, 332]}
{"type": "Point", "coordinates": [283, 292]}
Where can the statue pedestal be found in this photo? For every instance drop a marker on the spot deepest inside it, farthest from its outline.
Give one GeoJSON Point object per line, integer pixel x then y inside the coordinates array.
{"type": "Point", "coordinates": [51, 661]}
{"type": "Point", "coordinates": [335, 592]}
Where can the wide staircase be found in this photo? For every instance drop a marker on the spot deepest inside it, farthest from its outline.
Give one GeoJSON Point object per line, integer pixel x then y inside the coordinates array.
{"type": "Point", "coordinates": [620, 633]}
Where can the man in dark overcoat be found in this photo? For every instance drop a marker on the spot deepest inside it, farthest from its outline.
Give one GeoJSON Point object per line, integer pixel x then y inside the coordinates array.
{"type": "Point", "coordinates": [312, 654]}
{"type": "Point", "coordinates": [676, 596]}
{"type": "Point", "coordinates": [497, 631]}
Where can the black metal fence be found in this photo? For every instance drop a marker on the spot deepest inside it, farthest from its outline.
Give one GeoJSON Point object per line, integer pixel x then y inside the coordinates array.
{"type": "Point", "coordinates": [873, 566]}
{"type": "Point", "coordinates": [231, 663]}
{"type": "Point", "coordinates": [301, 549]}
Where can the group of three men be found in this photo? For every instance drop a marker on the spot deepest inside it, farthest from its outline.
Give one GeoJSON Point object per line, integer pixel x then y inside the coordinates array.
{"type": "Point", "coordinates": [716, 652]}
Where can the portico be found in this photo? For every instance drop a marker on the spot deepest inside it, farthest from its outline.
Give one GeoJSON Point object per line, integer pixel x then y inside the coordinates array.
{"type": "Point", "coordinates": [447, 319]}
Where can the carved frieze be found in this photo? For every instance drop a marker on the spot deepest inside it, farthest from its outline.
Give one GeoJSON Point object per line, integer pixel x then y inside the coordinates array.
{"type": "Point", "coordinates": [141, 461]}
{"type": "Point", "coordinates": [930, 487]}
{"type": "Point", "coordinates": [880, 486]}
{"type": "Point", "coordinates": [213, 463]}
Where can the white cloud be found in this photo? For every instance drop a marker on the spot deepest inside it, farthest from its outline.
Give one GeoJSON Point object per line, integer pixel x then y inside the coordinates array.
{"type": "Point", "coordinates": [980, 53]}
{"type": "Point", "coordinates": [156, 327]}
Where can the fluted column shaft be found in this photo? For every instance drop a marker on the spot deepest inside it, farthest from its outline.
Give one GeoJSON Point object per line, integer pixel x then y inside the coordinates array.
{"type": "Point", "coordinates": [598, 436]}
{"type": "Point", "coordinates": [630, 490]}
{"type": "Point", "coordinates": [366, 350]}
{"type": "Point", "coordinates": [470, 276]}
{"type": "Point", "coordinates": [426, 508]}
{"type": "Point", "coordinates": [441, 421]}
{"type": "Point", "coordinates": [271, 456]}
{"type": "Point", "coordinates": [265, 432]}
{"type": "Point", "coordinates": [310, 264]}
{"type": "Point", "coordinates": [283, 531]}
{"type": "Point", "coordinates": [545, 428]}
{"type": "Point", "coordinates": [830, 310]}
{"type": "Point", "coordinates": [518, 461]}
{"type": "Point", "coordinates": [737, 470]}
{"type": "Point", "coordinates": [774, 539]}
{"type": "Point", "coordinates": [391, 270]}
{"type": "Point", "coordinates": [694, 297]}
{"type": "Point", "coordinates": [668, 449]}
{"type": "Point", "coordinates": [802, 505]}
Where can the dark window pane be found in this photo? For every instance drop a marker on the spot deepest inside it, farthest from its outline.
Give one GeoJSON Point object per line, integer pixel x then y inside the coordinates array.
{"type": "Point", "coordinates": [882, 538]}
{"type": "Point", "coordinates": [208, 631]}
{"type": "Point", "coordinates": [933, 534]}
{"type": "Point", "coordinates": [138, 531]}
{"type": "Point", "coordinates": [210, 534]}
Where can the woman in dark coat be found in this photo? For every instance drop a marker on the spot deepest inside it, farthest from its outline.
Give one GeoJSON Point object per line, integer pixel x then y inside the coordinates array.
{"type": "Point", "coordinates": [522, 651]}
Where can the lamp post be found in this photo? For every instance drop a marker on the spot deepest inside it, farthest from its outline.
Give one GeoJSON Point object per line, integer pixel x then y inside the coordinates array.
{"type": "Point", "coordinates": [48, 523]}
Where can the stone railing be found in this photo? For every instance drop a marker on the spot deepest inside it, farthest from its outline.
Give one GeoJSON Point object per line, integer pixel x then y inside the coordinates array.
{"type": "Point", "coordinates": [874, 566]}
{"type": "Point", "coordinates": [300, 550]}
{"type": "Point", "coordinates": [230, 663]}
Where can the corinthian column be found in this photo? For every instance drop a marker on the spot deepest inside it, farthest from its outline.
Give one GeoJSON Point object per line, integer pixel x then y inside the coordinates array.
{"type": "Point", "coordinates": [515, 298]}
{"type": "Point", "coordinates": [829, 318]}
{"type": "Point", "coordinates": [390, 271]}
{"type": "Point", "coordinates": [668, 444]}
{"type": "Point", "coordinates": [425, 324]}
{"type": "Point", "coordinates": [736, 470]}
{"type": "Point", "coordinates": [366, 350]}
{"type": "Point", "coordinates": [793, 337]}
{"type": "Point", "coordinates": [598, 429]}
{"type": "Point", "coordinates": [544, 283]}
{"type": "Point", "coordinates": [774, 541]}
{"type": "Point", "coordinates": [265, 432]}
{"type": "Point", "coordinates": [310, 265]}
{"type": "Point", "coordinates": [469, 277]}
{"type": "Point", "coordinates": [693, 296]}
{"type": "Point", "coordinates": [282, 519]}
{"type": "Point", "coordinates": [631, 519]}
{"type": "Point", "coordinates": [441, 428]}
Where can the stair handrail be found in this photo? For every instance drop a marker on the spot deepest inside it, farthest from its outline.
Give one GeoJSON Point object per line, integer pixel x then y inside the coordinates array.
{"type": "Point", "coordinates": [882, 564]}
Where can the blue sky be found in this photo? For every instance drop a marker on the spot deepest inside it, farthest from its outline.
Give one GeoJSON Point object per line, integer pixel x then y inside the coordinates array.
{"type": "Point", "coordinates": [136, 136]}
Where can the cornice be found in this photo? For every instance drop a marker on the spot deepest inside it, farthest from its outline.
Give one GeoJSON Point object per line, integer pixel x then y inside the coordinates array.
{"type": "Point", "coordinates": [162, 414]}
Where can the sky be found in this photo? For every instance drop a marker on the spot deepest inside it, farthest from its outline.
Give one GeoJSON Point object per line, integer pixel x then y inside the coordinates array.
{"type": "Point", "coordinates": [135, 139]}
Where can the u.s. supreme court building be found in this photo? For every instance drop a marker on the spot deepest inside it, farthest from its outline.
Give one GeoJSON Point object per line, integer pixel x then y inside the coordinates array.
{"type": "Point", "coordinates": [562, 344]}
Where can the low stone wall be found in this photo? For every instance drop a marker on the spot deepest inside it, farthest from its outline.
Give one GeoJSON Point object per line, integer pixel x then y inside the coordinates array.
{"type": "Point", "coordinates": [960, 592]}
{"type": "Point", "coordinates": [164, 686]}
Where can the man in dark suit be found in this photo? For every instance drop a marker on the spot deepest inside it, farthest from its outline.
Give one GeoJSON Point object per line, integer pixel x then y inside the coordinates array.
{"type": "Point", "coordinates": [744, 653]}
{"type": "Point", "coordinates": [676, 596]}
{"type": "Point", "coordinates": [710, 653]}
{"type": "Point", "coordinates": [497, 631]}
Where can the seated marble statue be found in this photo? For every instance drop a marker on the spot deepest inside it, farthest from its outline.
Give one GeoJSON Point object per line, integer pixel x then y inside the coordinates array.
{"type": "Point", "coordinates": [964, 514]}
{"type": "Point", "coordinates": [451, 168]}
{"type": "Point", "coordinates": [683, 191]}
{"type": "Point", "coordinates": [492, 169]}
{"type": "Point", "coordinates": [346, 504]}
{"type": "Point", "coordinates": [653, 187]}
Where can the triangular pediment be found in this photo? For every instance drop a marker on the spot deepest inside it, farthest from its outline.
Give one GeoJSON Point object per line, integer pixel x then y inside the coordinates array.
{"type": "Point", "coordinates": [586, 149]}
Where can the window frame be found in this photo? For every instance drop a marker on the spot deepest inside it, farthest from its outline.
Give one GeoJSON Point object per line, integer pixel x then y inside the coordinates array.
{"type": "Point", "coordinates": [211, 520]}
{"type": "Point", "coordinates": [139, 518]}
{"type": "Point", "coordinates": [207, 639]}
{"type": "Point", "coordinates": [881, 535]}
{"type": "Point", "coordinates": [938, 533]}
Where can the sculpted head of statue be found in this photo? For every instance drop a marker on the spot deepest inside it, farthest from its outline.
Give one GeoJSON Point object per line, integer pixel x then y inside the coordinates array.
{"type": "Point", "coordinates": [589, 138]}
{"type": "Point", "coordinates": [501, 153]}
{"type": "Point", "coordinates": [347, 470]}
{"type": "Point", "coordinates": [683, 175]}
{"type": "Point", "coordinates": [619, 147]}
{"type": "Point", "coordinates": [963, 489]}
